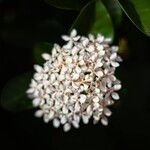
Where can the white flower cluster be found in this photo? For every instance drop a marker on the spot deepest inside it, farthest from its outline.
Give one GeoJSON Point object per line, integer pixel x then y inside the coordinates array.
{"type": "Point", "coordinates": [76, 82]}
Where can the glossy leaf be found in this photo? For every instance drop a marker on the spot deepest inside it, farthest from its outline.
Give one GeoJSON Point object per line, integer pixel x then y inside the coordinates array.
{"type": "Point", "coordinates": [102, 23]}
{"type": "Point", "coordinates": [94, 19]}
{"type": "Point", "coordinates": [67, 4]}
{"type": "Point", "coordinates": [85, 19]}
{"type": "Point", "coordinates": [14, 97]}
{"type": "Point", "coordinates": [138, 12]}
{"type": "Point", "coordinates": [114, 10]}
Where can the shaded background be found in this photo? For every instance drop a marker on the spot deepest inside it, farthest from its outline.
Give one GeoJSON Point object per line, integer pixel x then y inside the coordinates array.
{"type": "Point", "coordinates": [23, 25]}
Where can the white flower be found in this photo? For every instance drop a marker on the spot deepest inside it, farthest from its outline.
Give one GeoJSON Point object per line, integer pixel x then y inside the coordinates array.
{"type": "Point", "coordinates": [104, 121]}
{"type": "Point", "coordinates": [56, 123]}
{"type": "Point", "coordinates": [82, 98]}
{"type": "Point", "coordinates": [117, 87]}
{"type": "Point", "coordinates": [107, 112]}
{"type": "Point", "coordinates": [77, 82]}
{"type": "Point", "coordinates": [63, 119]}
{"type": "Point", "coordinates": [115, 96]}
{"type": "Point", "coordinates": [100, 38]}
{"type": "Point", "coordinates": [70, 39]}
{"type": "Point", "coordinates": [84, 41]}
{"type": "Point", "coordinates": [112, 60]}
{"type": "Point", "coordinates": [96, 99]}
{"type": "Point", "coordinates": [39, 113]}
{"type": "Point", "coordinates": [75, 124]}
{"type": "Point", "coordinates": [85, 119]}
{"type": "Point", "coordinates": [36, 102]}
{"type": "Point", "coordinates": [46, 56]}
{"type": "Point", "coordinates": [67, 127]}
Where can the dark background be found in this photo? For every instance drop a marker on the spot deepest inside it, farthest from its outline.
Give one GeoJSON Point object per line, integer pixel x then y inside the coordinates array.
{"type": "Point", "coordinates": [23, 24]}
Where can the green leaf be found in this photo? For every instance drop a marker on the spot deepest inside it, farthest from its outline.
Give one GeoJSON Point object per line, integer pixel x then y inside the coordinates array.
{"type": "Point", "coordinates": [67, 4]}
{"type": "Point", "coordinates": [14, 97]}
{"type": "Point", "coordinates": [114, 10]}
{"type": "Point", "coordinates": [85, 19]}
{"type": "Point", "coordinates": [94, 19]}
{"type": "Point", "coordinates": [102, 23]}
{"type": "Point", "coordinates": [39, 49]}
{"type": "Point", "coordinates": [138, 12]}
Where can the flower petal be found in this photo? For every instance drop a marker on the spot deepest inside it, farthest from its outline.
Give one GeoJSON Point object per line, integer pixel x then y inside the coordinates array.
{"type": "Point", "coordinates": [115, 64]}
{"type": "Point", "coordinates": [56, 123]}
{"type": "Point", "coordinates": [51, 114]}
{"type": "Point", "coordinates": [115, 96]}
{"type": "Point", "coordinates": [65, 37]}
{"type": "Point", "coordinates": [76, 38]}
{"type": "Point", "coordinates": [104, 121]}
{"type": "Point", "coordinates": [113, 56]}
{"type": "Point", "coordinates": [107, 112]}
{"type": "Point", "coordinates": [114, 48]}
{"type": "Point", "coordinates": [36, 102]}
{"type": "Point", "coordinates": [73, 33]}
{"type": "Point", "coordinates": [85, 42]}
{"type": "Point", "coordinates": [100, 38]}
{"type": "Point", "coordinates": [46, 56]}
{"type": "Point", "coordinates": [85, 119]}
{"type": "Point", "coordinates": [82, 98]}
{"type": "Point", "coordinates": [96, 99]}
{"type": "Point", "coordinates": [64, 109]}
{"type": "Point", "coordinates": [91, 48]}
{"type": "Point", "coordinates": [75, 124]}
{"type": "Point", "coordinates": [75, 76]}
{"type": "Point", "coordinates": [66, 127]}
{"type": "Point", "coordinates": [68, 45]}
{"type": "Point", "coordinates": [77, 107]}
{"type": "Point", "coordinates": [99, 73]}
{"type": "Point", "coordinates": [63, 120]}
{"type": "Point", "coordinates": [38, 68]}
{"type": "Point", "coordinates": [39, 113]}
{"type": "Point", "coordinates": [117, 87]}
{"type": "Point", "coordinates": [89, 110]}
